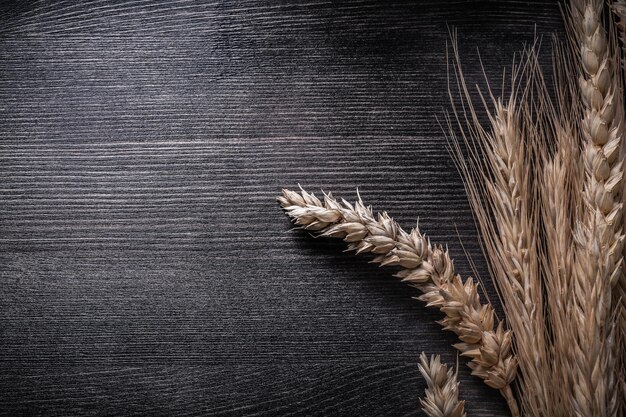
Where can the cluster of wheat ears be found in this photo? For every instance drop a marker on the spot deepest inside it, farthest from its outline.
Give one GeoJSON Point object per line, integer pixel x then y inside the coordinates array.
{"type": "Point", "coordinates": [543, 170]}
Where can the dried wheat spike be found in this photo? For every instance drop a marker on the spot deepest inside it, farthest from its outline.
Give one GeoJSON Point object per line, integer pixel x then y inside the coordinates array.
{"type": "Point", "coordinates": [511, 243]}
{"type": "Point", "coordinates": [425, 267]}
{"type": "Point", "coordinates": [442, 394]}
{"type": "Point", "coordinates": [496, 163]}
{"type": "Point", "coordinates": [603, 133]}
{"type": "Point", "coordinates": [599, 237]}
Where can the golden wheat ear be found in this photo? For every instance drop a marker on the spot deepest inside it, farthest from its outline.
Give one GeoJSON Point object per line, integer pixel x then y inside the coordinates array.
{"type": "Point", "coordinates": [423, 266]}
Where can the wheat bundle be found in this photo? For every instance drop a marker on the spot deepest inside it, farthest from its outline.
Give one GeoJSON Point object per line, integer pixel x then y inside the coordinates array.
{"type": "Point", "coordinates": [543, 171]}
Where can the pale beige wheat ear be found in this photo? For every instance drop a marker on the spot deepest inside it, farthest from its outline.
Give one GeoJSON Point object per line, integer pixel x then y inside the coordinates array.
{"type": "Point", "coordinates": [500, 181]}
{"type": "Point", "coordinates": [599, 236]}
{"type": "Point", "coordinates": [424, 267]}
{"type": "Point", "coordinates": [561, 182]}
{"type": "Point", "coordinates": [559, 196]}
{"type": "Point", "coordinates": [602, 126]}
{"type": "Point", "coordinates": [442, 394]}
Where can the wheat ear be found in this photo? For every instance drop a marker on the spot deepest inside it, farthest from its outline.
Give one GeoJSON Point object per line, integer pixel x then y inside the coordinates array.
{"type": "Point", "coordinates": [510, 233]}
{"type": "Point", "coordinates": [598, 237]}
{"type": "Point", "coordinates": [559, 192]}
{"type": "Point", "coordinates": [425, 267]}
{"type": "Point", "coordinates": [442, 394]}
{"type": "Point", "coordinates": [583, 347]}
{"type": "Point", "coordinates": [602, 129]}
{"type": "Point", "coordinates": [500, 181]}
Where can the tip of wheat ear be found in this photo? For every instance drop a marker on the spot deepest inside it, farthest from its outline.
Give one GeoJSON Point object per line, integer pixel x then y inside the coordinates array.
{"type": "Point", "coordinates": [442, 393]}
{"type": "Point", "coordinates": [423, 266]}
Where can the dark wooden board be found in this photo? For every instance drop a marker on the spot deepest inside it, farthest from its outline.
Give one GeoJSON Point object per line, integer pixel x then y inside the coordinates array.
{"type": "Point", "coordinates": [145, 267]}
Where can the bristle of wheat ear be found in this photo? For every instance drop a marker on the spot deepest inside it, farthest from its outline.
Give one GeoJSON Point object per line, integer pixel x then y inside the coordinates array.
{"type": "Point", "coordinates": [427, 268]}
{"type": "Point", "coordinates": [442, 393]}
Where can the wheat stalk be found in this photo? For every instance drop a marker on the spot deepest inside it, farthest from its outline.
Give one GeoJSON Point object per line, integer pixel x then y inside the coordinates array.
{"type": "Point", "coordinates": [425, 267]}
{"type": "Point", "coordinates": [442, 394]}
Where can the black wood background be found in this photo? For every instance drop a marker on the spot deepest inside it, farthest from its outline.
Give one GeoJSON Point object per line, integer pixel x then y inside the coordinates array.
{"type": "Point", "coordinates": [145, 267]}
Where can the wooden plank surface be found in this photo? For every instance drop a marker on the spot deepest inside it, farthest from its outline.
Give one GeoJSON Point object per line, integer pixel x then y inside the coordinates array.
{"type": "Point", "coordinates": [145, 267]}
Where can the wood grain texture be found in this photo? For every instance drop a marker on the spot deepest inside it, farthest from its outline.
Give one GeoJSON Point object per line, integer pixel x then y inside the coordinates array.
{"type": "Point", "coordinates": [145, 267]}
